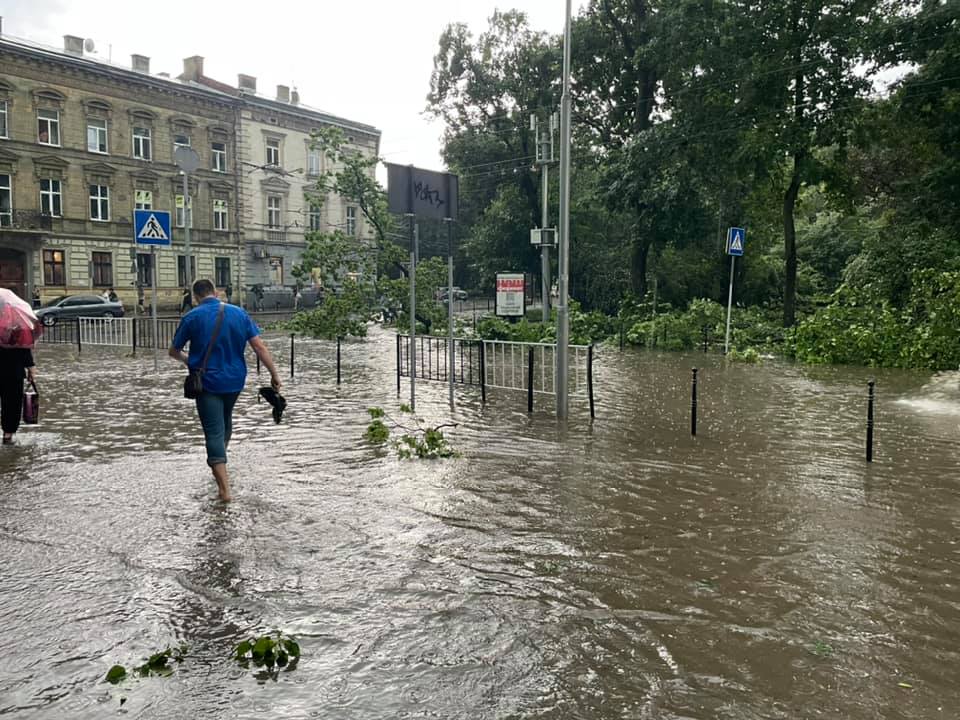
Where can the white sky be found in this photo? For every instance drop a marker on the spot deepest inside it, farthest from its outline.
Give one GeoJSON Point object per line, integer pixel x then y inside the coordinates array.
{"type": "Point", "coordinates": [366, 60]}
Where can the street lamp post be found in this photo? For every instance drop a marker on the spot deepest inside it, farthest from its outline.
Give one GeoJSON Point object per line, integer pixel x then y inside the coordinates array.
{"type": "Point", "coordinates": [563, 317]}
{"type": "Point", "coordinates": [188, 161]}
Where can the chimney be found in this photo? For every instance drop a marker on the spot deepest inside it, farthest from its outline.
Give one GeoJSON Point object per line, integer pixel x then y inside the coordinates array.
{"type": "Point", "coordinates": [294, 97]}
{"type": "Point", "coordinates": [247, 83]}
{"type": "Point", "coordinates": [73, 45]}
{"type": "Point", "coordinates": [192, 68]}
{"type": "Point", "coordinates": [140, 64]}
{"type": "Point", "coordinates": [283, 94]}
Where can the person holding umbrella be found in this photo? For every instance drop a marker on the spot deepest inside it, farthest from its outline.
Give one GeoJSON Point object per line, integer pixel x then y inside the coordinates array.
{"type": "Point", "coordinates": [19, 330]}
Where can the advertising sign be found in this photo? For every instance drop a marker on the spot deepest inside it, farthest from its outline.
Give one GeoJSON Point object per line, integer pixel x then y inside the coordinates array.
{"type": "Point", "coordinates": [424, 193]}
{"type": "Point", "coordinates": [511, 299]}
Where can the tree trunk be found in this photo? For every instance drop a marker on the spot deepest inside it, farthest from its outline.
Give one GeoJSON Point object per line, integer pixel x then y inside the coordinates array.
{"type": "Point", "coordinates": [638, 264]}
{"type": "Point", "coordinates": [790, 247]}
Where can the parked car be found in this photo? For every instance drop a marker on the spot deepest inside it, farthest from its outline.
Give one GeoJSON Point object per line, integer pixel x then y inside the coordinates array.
{"type": "Point", "coordinates": [458, 294]}
{"type": "Point", "coordinates": [74, 306]}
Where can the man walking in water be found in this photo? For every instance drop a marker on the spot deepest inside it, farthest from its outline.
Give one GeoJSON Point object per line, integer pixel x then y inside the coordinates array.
{"type": "Point", "coordinates": [226, 369]}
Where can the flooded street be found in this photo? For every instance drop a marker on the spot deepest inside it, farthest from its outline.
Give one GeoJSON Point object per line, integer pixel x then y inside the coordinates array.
{"type": "Point", "coordinates": [619, 570]}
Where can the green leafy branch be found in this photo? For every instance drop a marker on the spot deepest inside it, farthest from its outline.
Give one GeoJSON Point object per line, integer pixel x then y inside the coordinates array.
{"type": "Point", "coordinates": [272, 652]}
{"type": "Point", "coordinates": [418, 439]}
{"type": "Point", "coordinates": [156, 664]}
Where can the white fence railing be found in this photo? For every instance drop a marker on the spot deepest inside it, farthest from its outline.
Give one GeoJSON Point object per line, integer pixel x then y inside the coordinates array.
{"type": "Point", "coordinates": [106, 331]}
{"type": "Point", "coordinates": [507, 366]}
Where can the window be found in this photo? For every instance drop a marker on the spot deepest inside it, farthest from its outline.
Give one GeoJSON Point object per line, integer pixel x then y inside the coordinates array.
{"type": "Point", "coordinates": [103, 269]}
{"type": "Point", "coordinates": [50, 198]}
{"type": "Point", "coordinates": [273, 152]}
{"type": "Point", "coordinates": [313, 162]}
{"type": "Point", "coordinates": [219, 150]}
{"type": "Point", "coordinates": [48, 127]}
{"type": "Point", "coordinates": [3, 119]}
{"type": "Point", "coordinates": [181, 141]}
{"type": "Point", "coordinates": [178, 202]}
{"type": "Point", "coordinates": [219, 214]}
{"type": "Point", "coordinates": [99, 203]}
{"type": "Point", "coordinates": [273, 211]}
{"type": "Point", "coordinates": [97, 136]}
{"type": "Point", "coordinates": [144, 269]}
{"type": "Point", "coordinates": [141, 143]}
{"type": "Point", "coordinates": [314, 218]}
{"type": "Point", "coordinates": [221, 267]}
{"type": "Point", "coordinates": [351, 221]}
{"type": "Point", "coordinates": [6, 202]}
{"type": "Point", "coordinates": [182, 270]}
{"type": "Point", "coordinates": [53, 267]}
{"type": "Point", "coordinates": [276, 271]}
{"type": "Point", "coordinates": [143, 200]}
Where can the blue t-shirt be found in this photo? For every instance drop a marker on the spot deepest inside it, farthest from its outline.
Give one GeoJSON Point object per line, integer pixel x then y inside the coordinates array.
{"type": "Point", "coordinates": [227, 368]}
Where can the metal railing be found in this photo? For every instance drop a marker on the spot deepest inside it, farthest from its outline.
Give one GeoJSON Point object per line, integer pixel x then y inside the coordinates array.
{"type": "Point", "coordinates": [496, 364]}
{"type": "Point", "coordinates": [111, 332]}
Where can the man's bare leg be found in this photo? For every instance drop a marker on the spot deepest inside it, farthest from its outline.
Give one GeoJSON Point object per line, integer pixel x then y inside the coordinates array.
{"type": "Point", "coordinates": [223, 480]}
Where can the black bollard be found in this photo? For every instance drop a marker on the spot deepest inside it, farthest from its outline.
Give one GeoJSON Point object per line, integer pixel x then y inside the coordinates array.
{"type": "Point", "coordinates": [291, 354]}
{"type": "Point", "coordinates": [593, 413]}
{"type": "Point", "coordinates": [530, 380]}
{"type": "Point", "coordinates": [870, 400]}
{"type": "Point", "coordinates": [693, 405]}
{"type": "Point", "coordinates": [398, 365]}
{"type": "Point", "coordinates": [134, 336]}
{"type": "Point", "coordinates": [483, 372]}
{"type": "Point", "coordinates": [338, 361]}
{"type": "Point", "coordinates": [258, 364]}
{"type": "Point", "coordinates": [79, 347]}
{"type": "Point", "coordinates": [621, 334]}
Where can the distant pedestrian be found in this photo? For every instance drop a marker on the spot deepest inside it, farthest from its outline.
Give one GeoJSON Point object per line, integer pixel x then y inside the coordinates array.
{"type": "Point", "coordinates": [226, 369]}
{"type": "Point", "coordinates": [229, 292]}
{"type": "Point", "coordinates": [105, 295]}
{"type": "Point", "coordinates": [15, 365]}
{"type": "Point", "coordinates": [112, 295]}
{"type": "Point", "coordinates": [258, 297]}
{"type": "Point", "coordinates": [185, 302]}
{"type": "Point", "coordinates": [297, 300]}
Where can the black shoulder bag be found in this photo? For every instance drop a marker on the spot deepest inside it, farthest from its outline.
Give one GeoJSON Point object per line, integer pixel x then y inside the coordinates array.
{"type": "Point", "coordinates": [193, 383]}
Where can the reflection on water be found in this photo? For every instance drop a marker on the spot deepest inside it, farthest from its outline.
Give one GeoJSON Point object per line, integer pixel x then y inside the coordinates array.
{"type": "Point", "coordinates": [619, 570]}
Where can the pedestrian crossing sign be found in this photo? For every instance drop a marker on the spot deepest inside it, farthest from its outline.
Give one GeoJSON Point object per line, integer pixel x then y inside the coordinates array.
{"type": "Point", "coordinates": [735, 239]}
{"type": "Point", "coordinates": [151, 227]}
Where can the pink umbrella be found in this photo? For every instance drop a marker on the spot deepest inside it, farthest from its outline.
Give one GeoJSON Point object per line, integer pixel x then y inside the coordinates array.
{"type": "Point", "coordinates": [19, 325]}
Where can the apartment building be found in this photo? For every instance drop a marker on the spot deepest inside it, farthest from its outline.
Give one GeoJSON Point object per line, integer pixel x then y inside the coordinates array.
{"type": "Point", "coordinates": [83, 143]}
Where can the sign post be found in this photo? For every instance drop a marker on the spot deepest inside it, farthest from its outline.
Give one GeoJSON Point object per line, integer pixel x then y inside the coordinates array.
{"type": "Point", "coordinates": [450, 358]}
{"type": "Point", "coordinates": [188, 161]}
{"type": "Point", "coordinates": [152, 227]}
{"type": "Point", "coordinates": [735, 240]}
{"type": "Point", "coordinates": [416, 192]}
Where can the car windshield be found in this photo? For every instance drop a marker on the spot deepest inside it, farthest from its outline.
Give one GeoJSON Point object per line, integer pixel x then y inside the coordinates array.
{"type": "Point", "coordinates": [56, 301]}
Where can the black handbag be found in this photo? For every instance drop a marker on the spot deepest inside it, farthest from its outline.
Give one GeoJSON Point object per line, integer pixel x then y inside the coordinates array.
{"type": "Point", "coordinates": [193, 383]}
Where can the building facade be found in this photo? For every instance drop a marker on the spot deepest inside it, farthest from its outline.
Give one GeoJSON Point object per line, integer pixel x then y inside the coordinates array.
{"type": "Point", "coordinates": [82, 144]}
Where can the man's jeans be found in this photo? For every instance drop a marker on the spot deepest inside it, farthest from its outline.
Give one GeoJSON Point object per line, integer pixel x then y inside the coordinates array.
{"type": "Point", "coordinates": [216, 416]}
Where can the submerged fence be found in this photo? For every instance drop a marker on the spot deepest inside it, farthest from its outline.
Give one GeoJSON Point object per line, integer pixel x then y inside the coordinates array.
{"type": "Point", "coordinates": [497, 364]}
{"type": "Point", "coordinates": [132, 333]}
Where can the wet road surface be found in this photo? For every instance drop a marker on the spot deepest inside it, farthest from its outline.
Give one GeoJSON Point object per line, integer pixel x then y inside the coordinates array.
{"type": "Point", "coordinates": [620, 570]}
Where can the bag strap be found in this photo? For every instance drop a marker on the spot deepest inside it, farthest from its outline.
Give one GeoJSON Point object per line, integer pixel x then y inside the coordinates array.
{"type": "Point", "coordinates": [213, 338]}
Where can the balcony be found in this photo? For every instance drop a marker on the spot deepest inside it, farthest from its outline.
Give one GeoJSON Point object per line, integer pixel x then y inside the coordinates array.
{"type": "Point", "coordinates": [276, 235]}
{"type": "Point", "coordinates": [29, 221]}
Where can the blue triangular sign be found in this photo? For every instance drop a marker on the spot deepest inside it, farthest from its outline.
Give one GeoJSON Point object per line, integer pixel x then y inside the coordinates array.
{"type": "Point", "coordinates": [737, 244]}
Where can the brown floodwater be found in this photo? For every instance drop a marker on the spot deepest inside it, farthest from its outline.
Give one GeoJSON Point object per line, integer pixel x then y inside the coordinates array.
{"type": "Point", "coordinates": [620, 569]}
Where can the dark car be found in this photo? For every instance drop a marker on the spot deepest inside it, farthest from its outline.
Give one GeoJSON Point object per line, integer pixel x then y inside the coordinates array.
{"type": "Point", "coordinates": [74, 306]}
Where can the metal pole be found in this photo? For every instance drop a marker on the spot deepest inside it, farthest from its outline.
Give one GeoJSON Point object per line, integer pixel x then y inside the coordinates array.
{"type": "Point", "coordinates": [544, 249]}
{"type": "Point", "coordinates": [530, 380]}
{"type": "Point", "coordinates": [292, 354]}
{"type": "Point", "coordinates": [413, 312]}
{"type": "Point", "coordinates": [563, 320]}
{"type": "Point", "coordinates": [870, 420]}
{"type": "Point", "coordinates": [187, 218]}
{"type": "Point", "coordinates": [693, 405]}
{"type": "Point", "coordinates": [153, 305]}
{"type": "Point", "coordinates": [338, 361]}
{"type": "Point", "coordinates": [450, 304]}
{"type": "Point", "coordinates": [593, 412]}
{"type": "Point", "coordinates": [483, 372]}
{"type": "Point", "coordinates": [398, 364]}
{"type": "Point", "coordinates": [726, 343]}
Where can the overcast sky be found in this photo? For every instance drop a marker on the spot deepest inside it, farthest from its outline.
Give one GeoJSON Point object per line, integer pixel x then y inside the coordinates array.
{"type": "Point", "coordinates": [367, 60]}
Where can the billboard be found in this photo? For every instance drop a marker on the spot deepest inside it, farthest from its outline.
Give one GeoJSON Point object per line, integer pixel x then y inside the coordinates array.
{"type": "Point", "coordinates": [424, 193]}
{"type": "Point", "coordinates": [511, 298]}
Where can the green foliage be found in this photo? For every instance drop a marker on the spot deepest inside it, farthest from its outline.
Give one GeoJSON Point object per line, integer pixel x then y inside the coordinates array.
{"type": "Point", "coordinates": [157, 664]}
{"type": "Point", "coordinates": [272, 652]}
{"type": "Point", "coordinates": [585, 328]}
{"type": "Point", "coordinates": [419, 440]}
{"type": "Point", "coordinates": [342, 314]}
{"type": "Point", "coordinates": [861, 327]}
{"type": "Point", "coordinates": [750, 356]}
{"type": "Point", "coordinates": [678, 330]}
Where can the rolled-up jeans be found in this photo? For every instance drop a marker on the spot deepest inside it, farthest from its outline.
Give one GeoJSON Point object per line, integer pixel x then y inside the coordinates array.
{"type": "Point", "coordinates": [216, 417]}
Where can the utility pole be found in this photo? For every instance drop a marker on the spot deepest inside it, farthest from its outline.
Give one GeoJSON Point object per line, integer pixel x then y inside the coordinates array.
{"type": "Point", "coordinates": [545, 157]}
{"type": "Point", "coordinates": [563, 318]}
{"type": "Point", "coordinates": [188, 161]}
